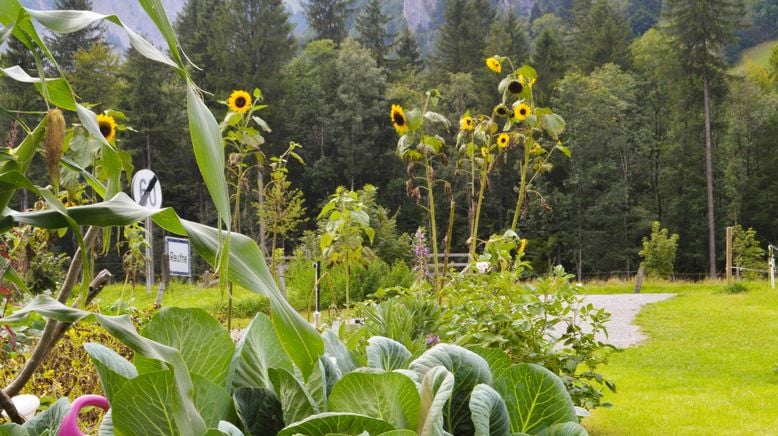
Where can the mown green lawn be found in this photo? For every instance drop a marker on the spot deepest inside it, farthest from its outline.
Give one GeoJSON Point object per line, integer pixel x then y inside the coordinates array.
{"type": "Point", "coordinates": [181, 294]}
{"type": "Point", "coordinates": [758, 54]}
{"type": "Point", "coordinates": [707, 368]}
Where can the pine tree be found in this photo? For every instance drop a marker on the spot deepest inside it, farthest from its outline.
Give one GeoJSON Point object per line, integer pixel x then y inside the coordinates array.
{"type": "Point", "coordinates": [461, 37]}
{"type": "Point", "coordinates": [602, 37]}
{"type": "Point", "coordinates": [508, 37]}
{"type": "Point", "coordinates": [549, 60]}
{"type": "Point", "coordinates": [407, 54]}
{"type": "Point", "coordinates": [255, 41]}
{"type": "Point", "coordinates": [372, 33]}
{"type": "Point", "coordinates": [643, 15]}
{"type": "Point", "coordinates": [703, 28]}
{"type": "Point", "coordinates": [63, 46]}
{"type": "Point", "coordinates": [535, 13]}
{"type": "Point", "coordinates": [18, 96]}
{"type": "Point", "coordinates": [328, 18]}
{"type": "Point", "coordinates": [194, 29]}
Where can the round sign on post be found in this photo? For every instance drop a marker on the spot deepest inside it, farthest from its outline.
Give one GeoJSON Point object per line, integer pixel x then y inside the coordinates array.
{"type": "Point", "coordinates": [146, 189]}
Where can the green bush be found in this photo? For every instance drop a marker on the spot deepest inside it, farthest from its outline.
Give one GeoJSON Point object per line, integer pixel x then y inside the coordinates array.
{"type": "Point", "coordinates": [545, 323]}
{"type": "Point", "coordinates": [746, 252]}
{"type": "Point", "coordinates": [658, 252]}
{"type": "Point", "coordinates": [47, 270]}
{"type": "Point", "coordinates": [735, 288]}
{"type": "Point", "coordinates": [365, 281]}
{"type": "Point", "coordinates": [243, 308]}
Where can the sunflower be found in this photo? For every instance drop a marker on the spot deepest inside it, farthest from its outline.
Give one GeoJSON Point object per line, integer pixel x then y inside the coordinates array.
{"type": "Point", "coordinates": [239, 101]}
{"type": "Point", "coordinates": [398, 119]}
{"type": "Point", "coordinates": [493, 64]}
{"type": "Point", "coordinates": [502, 140]}
{"type": "Point", "coordinates": [501, 110]}
{"type": "Point", "coordinates": [515, 86]}
{"type": "Point", "coordinates": [522, 111]}
{"type": "Point", "coordinates": [466, 123]}
{"type": "Point", "coordinates": [107, 126]}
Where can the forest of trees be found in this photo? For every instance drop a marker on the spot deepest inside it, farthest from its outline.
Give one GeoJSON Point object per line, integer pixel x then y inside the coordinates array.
{"type": "Point", "coordinates": [659, 127]}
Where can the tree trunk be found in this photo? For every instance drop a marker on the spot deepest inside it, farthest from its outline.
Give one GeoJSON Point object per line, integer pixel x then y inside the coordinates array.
{"type": "Point", "coordinates": [709, 178]}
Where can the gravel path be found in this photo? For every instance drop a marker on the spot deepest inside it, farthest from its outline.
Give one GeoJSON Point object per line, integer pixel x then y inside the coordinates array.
{"type": "Point", "coordinates": [623, 308]}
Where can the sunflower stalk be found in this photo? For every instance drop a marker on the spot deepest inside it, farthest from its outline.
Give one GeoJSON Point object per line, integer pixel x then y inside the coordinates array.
{"type": "Point", "coordinates": [522, 183]}
{"type": "Point", "coordinates": [479, 204]}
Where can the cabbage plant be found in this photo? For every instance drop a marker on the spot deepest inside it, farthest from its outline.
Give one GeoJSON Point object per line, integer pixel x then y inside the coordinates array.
{"type": "Point", "coordinates": [189, 378]}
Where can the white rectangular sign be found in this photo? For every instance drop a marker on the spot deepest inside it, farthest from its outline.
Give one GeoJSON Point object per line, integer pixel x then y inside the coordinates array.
{"type": "Point", "coordinates": [179, 256]}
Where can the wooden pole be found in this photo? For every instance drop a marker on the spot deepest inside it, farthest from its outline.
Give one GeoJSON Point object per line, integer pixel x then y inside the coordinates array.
{"type": "Point", "coordinates": [729, 254]}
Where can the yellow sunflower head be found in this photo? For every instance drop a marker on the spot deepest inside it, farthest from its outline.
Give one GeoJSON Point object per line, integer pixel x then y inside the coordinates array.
{"type": "Point", "coordinates": [466, 123]}
{"type": "Point", "coordinates": [503, 139]}
{"type": "Point", "coordinates": [493, 64]}
{"type": "Point", "coordinates": [107, 126]}
{"type": "Point", "coordinates": [522, 111]}
{"type": "Point", "coordinates": [399, 120]}
{"type": "Point", "coordinates": [484, 151]}
{"type": "Point", "coordinates": [239, 101]}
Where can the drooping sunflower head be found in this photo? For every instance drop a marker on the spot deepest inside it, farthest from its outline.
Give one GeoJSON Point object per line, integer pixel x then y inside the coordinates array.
{"type": "Point", "coordinates": [503, 139]}
{"type": "Point", "coordinates": [466, 123]}
{"type": "Point", "coordinates": [493, 64]}
{"type": "Point", "coordinates": [107, 126]}
{"type": "Point", "coordinates": [515, 86]}
{"type": "Point", "coordinates": [239, 101]}
{"type": "Point", "coordinates": [398, 119]}
{"type": "Point", "coordinates": [501, 110]}
{"type": "Point", "coordinates": [522, 111]}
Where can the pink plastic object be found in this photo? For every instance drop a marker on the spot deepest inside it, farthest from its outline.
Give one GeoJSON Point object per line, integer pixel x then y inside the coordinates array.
{"type": "Point", "coordinates": [69, 425]}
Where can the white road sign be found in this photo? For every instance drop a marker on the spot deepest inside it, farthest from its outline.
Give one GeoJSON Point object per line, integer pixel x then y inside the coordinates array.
{"type": "Point", "coordinates": [146, 189]}
{"type": "Point", "coordinates": [179, 256]}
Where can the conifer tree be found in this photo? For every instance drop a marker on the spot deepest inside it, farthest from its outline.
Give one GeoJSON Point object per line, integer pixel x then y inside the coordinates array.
{"type": "Point", "coordinates": [372, 32]}
{"type": "Point", "coordinates": [194, 29]}
{"type": "Point", "coordinates": [702, 28]}
{"type": "Point", "coordinates": [549, 60]}
{"type": "Point", "coordinates": [508, 37]}
{"type": "Point", "coordinates": [407, 54]}
{"type": "Point", "coordinates": [255, 41]}
{"type": "Point", "coordinates": [461, 37]}
{"type": "Point", "coordinates": [328, 18]}
{"type": "Point", "coordinates": [63, 46]}
{"type": "Point", "coordinates": [602, 37]}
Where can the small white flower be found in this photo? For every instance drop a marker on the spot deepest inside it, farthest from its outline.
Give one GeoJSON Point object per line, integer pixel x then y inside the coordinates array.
{"type": "Point", "coordinates": [482, 267]}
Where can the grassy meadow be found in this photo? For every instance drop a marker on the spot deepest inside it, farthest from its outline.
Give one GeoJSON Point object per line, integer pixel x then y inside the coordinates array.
{"type": "Point", "coordinates": [708, 367]}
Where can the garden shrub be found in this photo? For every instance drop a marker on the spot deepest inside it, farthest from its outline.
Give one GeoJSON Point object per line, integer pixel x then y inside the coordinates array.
{"type": "Point", "coordinates": [246, 307]}
{"type": "Point", "coordinates": [735, 288]}
{"type": "Point", "coordinates": [746, 252]}
{"type": "Point", "coordinates": [542, 323]}
{"type": "Point", "coordinates": [658, 252]}
{"type": "Point", "coordinates": [365, 281]}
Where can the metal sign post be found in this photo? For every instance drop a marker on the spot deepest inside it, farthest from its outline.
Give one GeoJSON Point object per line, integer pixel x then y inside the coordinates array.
{"type": "Point", "coordinates": [147, 192]}
{"type": "Point", "coordinates": [317, 313]}
{"type": "Point", "coordinates": [771, 249]}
